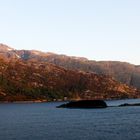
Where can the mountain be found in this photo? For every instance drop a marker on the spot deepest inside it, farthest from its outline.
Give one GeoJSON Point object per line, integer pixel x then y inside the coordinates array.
{"type": "Point", "coordinates": [5, 48]}
{"type": "Point", "coordinates": [7, 52]}
{"type": "Point", "coordinates": [32, 80]}
{"type": "Point", "coordinates": [123, 72]}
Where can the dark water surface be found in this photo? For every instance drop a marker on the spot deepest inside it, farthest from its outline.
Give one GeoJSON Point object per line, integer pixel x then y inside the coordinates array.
{"type": "Point", "coordinates": [43, 121]}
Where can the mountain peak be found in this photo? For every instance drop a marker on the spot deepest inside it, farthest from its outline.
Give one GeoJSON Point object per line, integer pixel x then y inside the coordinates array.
{"type": "Point", "coordinates": [5, 48]}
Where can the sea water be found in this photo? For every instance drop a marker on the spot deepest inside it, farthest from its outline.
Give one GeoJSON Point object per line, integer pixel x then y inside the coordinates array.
{"type": "Point", "coordinates": [43, 121]}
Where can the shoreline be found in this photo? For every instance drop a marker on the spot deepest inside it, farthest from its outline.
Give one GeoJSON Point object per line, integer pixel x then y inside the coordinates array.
{"type": "Point", "coordinates": [48, 101]}
{"type": "Point", "coordinates": [36, 101]}
{"type": "Point", "coordinates": [6, 102]}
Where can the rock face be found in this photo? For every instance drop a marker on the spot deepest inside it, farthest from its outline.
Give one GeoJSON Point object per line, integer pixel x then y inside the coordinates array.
{"type": "Point", "coordinates": [85, 104]}
{"type": "Point", "coordinates": [123, 72]}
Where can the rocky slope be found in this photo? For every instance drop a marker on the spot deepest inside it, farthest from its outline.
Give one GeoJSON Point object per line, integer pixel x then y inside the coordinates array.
{"type": "Point", "coordinates": [123, 72]}
{"type": "Point", "coordinates": [31, 80]}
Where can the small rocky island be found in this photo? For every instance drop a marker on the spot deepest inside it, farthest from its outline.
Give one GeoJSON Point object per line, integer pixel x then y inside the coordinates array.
{"type": "Point", "coordinates": [84, 104]}
{"type": "Point", "coordinates": [126, 104]}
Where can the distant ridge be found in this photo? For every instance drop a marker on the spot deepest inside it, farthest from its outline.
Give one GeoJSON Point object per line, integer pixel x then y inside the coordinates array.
{"type": "Point", "coordinates": [121, 71]}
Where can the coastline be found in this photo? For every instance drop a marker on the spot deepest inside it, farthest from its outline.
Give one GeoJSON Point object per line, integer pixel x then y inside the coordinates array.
{"type": "Point", "coordinates": [60, 100]}
{"type": "Point", "coordinates": [35, 101]}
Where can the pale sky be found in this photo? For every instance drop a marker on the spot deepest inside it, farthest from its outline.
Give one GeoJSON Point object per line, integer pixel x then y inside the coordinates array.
{"type": "Point", "coordinates": [96, 29]}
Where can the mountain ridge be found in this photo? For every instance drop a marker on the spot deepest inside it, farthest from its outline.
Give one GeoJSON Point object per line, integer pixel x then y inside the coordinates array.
{"type": "Point", "coordinates": [123, 72]}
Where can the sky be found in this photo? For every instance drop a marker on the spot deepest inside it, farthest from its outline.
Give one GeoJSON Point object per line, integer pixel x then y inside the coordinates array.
{"type": "Point", "coordinates": [96, 29]}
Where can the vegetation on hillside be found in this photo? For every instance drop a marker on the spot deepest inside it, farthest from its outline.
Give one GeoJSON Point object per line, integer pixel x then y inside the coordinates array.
{"type": "Point", "coordinates": [32, 80]}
